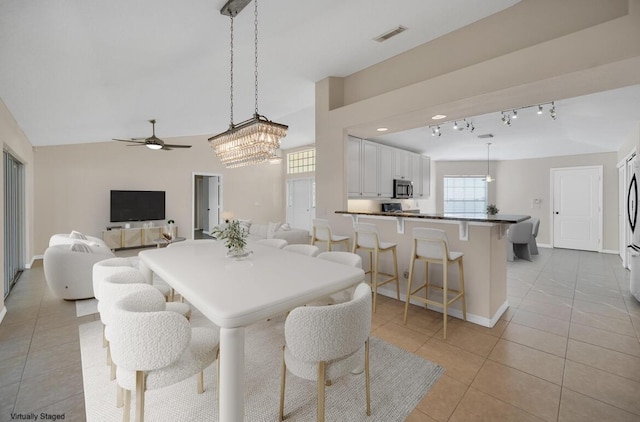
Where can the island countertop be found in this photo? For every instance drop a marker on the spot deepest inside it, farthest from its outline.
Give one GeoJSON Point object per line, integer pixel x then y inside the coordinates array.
{"type": "Point", "coordinates": [477, 218]}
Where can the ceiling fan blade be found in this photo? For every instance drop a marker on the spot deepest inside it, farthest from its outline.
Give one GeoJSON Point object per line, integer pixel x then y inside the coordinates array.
{"type": "Point", "coordinates": [177, 146]}
{"type": "Point", "coordinates": [141, 144]}
{"type": "Point", "coordinates": [129, 140]}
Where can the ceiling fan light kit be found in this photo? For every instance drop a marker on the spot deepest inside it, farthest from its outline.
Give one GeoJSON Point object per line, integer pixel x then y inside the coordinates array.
{"type": "Point", "coordinates": [255, 140]}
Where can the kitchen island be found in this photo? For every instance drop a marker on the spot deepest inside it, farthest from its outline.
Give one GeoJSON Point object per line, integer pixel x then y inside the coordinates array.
{"type": "Point", "coordinates": [482, 239]}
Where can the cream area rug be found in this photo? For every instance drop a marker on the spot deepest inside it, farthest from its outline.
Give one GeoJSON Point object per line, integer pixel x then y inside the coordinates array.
{"type": "Point", "coordinates": [399, 380]}
{"type": "Point", "coordinates": [86, 307]}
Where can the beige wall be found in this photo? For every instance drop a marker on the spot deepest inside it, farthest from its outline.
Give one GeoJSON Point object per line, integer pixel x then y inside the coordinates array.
{"type": "Point", "coordinates": [15, 142]}
{"type": "Point", "coordinates": [630, 145]}
{"type": "Point", "coordinates": [519, 181]}
{"type": "Point", "coordinates": [72, 184]}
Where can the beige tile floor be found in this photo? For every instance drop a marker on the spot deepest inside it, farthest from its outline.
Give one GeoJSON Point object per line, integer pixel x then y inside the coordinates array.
{"type": "Point", "coordinates": [567, 348]}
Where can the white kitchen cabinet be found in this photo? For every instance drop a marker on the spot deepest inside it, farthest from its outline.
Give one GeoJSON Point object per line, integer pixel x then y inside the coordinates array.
{"type": "Point", "coordinates": [403, 164]}
{"type": "Point", "coordinates": [416, 174]}
{"type": "Point", "coordinates": [372, 168]}
{"type": "Point", "coordinates": [369, 169]}
{"type": "Point", "coordinates": [386, 157]}
{"type": "Point", "coordinates": [354, 177]}
{"type": "Point", "coordinates": [425, 179]}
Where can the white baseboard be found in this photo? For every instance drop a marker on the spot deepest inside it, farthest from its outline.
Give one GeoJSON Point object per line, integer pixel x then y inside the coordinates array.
{"type": "Point", "coordinates": [476, 319]}
{"type": "Point", "coordinates": [3, 312]}
{"type": "Point", "coordinates": [609, 251]}
{"type": "Point", "coordinates": [34, 259]}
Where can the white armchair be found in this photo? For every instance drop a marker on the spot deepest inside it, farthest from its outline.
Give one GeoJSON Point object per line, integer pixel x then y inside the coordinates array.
{"type": "Point", "coordinates": [154, 348]}
{"type": "Point", "coordinates": [68, 269]}
{"type": "Point", "coordinates": [326, 342]}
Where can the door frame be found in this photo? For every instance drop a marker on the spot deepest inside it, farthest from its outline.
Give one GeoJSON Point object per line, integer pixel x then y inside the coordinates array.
{"type": "Point", "coordinates": [552, 197]}
{"type": "Point", "coordinates": [193, 194]}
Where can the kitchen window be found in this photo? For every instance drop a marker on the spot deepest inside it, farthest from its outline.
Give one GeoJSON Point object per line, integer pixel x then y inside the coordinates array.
{"type": "Point", "coordinates": [465, 194]}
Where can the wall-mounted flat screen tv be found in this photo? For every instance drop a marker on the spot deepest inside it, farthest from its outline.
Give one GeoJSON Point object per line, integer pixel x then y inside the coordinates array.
{"type": "Point", "coordinates": [137, 205]}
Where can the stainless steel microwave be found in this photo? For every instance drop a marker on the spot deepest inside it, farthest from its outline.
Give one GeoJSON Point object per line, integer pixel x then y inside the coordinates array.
{"type": "Point", "coordinates": [402, 189]}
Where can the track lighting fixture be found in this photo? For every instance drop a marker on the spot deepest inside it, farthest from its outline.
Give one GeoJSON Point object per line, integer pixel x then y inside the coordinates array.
{"type": "Point", "coordinates": [435, 130]}
{"type": "Point", "coordinates": [507, 116]}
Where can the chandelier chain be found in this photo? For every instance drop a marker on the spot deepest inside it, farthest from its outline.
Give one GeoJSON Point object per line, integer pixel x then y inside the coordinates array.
{"type": "Point", "coordinates": [255, 15]}
{"type": "Point", "coordinates": [231, 85]}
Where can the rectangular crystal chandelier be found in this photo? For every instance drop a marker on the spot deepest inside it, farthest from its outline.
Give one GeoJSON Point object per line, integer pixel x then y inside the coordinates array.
{"type": "Point", "coordinates": [253, 141]}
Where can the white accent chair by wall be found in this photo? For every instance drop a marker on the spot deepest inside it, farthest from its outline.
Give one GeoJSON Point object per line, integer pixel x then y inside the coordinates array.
{"type": "Point", "coordinates": [518, 240]}
{"type": "Point", "coordinates": [308, 250]}
{"type": "Point", "coordinates": [76, 236]}
{"type": "Point", "coordinates": [154, 348]}
{"type": "Point", "coordinates": [68, 269]}
{"type": "Point", "coordinates": [324, 343]}
{"type": "Point", "coordinates": [533, 246]}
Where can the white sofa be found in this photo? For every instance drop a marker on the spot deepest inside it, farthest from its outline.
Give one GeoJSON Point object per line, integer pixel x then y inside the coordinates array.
{"type": "Point", "coordinates": [68, 268]}
{"type": "Point", "coordinates": [276, 231]}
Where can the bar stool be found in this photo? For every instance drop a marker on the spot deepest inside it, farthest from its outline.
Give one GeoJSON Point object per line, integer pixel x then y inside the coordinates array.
{"type": "Point", "coordinates": [367, 238]}
{"type": "Point", "coordinates": [322, 233]}
{"type": "Point", "coordinates": [431, 246]}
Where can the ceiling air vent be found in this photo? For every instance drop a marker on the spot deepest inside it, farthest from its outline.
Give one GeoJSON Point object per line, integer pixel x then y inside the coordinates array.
{"type": "Point", "coordinates": [486, 135]}
{"type": "Point", "coordinates": [391, 33]}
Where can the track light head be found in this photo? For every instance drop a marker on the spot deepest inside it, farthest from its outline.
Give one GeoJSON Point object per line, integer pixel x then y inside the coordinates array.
{"type": "Point", "coordinates": [515, 114]}
{"type": "Point", "coordinates": [455, 125]}
{"type": "Point", "coordinates": [539, 109]}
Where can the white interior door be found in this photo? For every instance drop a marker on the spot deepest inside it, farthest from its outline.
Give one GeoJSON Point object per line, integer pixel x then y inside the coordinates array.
{"type": "Point", "coordinates": [301, 203]}
{"type": "Point", "coordinates": [577, 205]}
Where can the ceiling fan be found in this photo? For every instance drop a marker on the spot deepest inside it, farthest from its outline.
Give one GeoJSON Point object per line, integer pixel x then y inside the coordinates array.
{"type": "Point", "coordinates": [152, 142]}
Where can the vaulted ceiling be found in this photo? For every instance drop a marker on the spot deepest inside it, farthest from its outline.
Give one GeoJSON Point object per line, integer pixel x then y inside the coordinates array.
{"type": "Point", "coordinates": [77, 71]}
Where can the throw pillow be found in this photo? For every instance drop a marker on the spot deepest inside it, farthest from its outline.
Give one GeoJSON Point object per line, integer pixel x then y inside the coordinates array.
{"type": "Point", "coordinates": [245, 225]}
{"type": "Point", "coordinates": [77, 235]}
{"type": "Point", "coordinates": [272, 228]}
{"type": "Point", "coordinates": [285, 227]}
{"type": "Point", "coordinates": [80, 247]}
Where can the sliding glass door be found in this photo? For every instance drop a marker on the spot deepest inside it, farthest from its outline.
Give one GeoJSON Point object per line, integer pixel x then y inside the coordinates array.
{"type": "Point", "coordinates": [13, 220]}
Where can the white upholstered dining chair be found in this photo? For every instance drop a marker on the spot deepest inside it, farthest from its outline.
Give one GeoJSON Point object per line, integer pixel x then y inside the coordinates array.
{"type": "Point", "coordinates": [154, 348]}
{"type": "Point", "coordinates": [273, 243]}
{"type": "Point", "coordinates": [345, 258]}
{"type": "Point", "coordinates": [326, 342]}
{"type": "Point", "coordinates": [308, 250]}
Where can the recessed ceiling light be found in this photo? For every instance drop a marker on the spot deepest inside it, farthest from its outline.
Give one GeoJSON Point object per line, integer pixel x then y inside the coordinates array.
{"type": "Point", "coordinates": [382, 129]}
{"type": "Point", "coordinates": [438, 117]}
